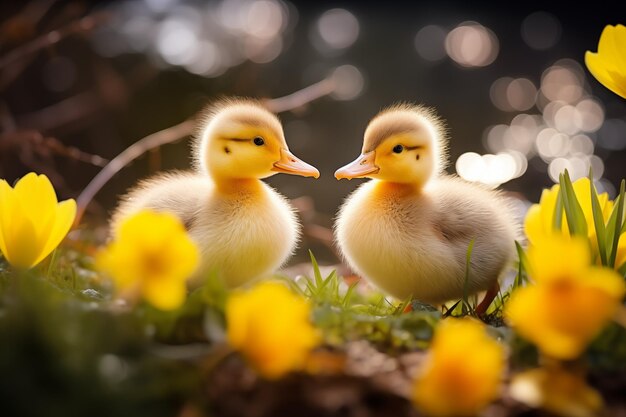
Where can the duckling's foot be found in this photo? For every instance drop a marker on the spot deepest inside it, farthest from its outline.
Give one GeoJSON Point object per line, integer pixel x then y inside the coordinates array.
{"type": "Point", "coordinates": [490, 295]}
{"type": "Point", "coordinates": [408, 308]}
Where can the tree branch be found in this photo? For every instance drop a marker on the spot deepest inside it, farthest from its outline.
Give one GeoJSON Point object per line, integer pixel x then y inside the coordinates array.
{"type": "Point", "coordinates": [184, 129]}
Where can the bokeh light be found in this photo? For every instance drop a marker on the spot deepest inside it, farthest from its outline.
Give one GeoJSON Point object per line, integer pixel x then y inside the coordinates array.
{"type": "Point", "coordinates": [489, 169]}
{"type": "Point", "coordinates": [563, 81]}
{"type": "Point", "coordinates": [204, 40]}
{"type": "Point", "coordinates": [471, 44]}
{"type": "Point", "coordinates": [176, 42]}
{"type": "Point", "coordinates": [520, 94]}
{"type": "Point", "coordinates": [430, 42]}
{"type": "Point", "coordinates": [337, 29]}
{"type": "Point", "coordinates": [541, 30]}
{"type": "Point", "coordinates": [349, 82]}
{"type": "Point", "coordinates": [590, 115]}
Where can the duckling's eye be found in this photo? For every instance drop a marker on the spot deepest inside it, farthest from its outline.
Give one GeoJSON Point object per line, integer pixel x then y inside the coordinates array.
{"type": "Point", "coordinates": [258, 141]}
{"type": "Point", "coordinates": [398, 148]}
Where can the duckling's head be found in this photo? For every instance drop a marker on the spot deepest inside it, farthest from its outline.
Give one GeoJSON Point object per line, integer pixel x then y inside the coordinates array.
{"type": "Point", "coordinates": [402, 144]}
{"type": "Point", "coordinates": [241, 139]}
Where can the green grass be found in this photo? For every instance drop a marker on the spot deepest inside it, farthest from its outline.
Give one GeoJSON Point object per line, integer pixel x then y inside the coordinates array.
{"type": "Point", "coordinates": [60, 327]}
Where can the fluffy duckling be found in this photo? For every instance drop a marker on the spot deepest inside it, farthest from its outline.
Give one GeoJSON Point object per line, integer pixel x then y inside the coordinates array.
{"type": "Point", "coordinates": [244, 228]}
{"type": "Point", "coordinates": [409, 229]}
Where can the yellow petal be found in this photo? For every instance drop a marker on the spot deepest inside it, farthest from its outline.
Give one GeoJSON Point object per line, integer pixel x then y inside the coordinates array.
{"type": "Point", "coordinates": [462, 372]}
{"type": "Point", "coordinates": [599, 69]}
{"type": "Point", "coordinates": [610, 49]}
{"type": "Point", "coordinates": [607, 206]}
{"type": "Point", "coordinates": [153, 253]}
{"type": "Point", "coordinates": [533, 226]}
{"type": "Point", "coordinates": [21, 243]}
{"type": "Point", "coordinates": [556, 256]}
{"type": "Point", "coordinates": [619, 79]}
{"type": "Point", "coordinates": [19, 235]}
{"type": "Point", "coordinates": [562, 316]}
{"type": "Point", "coordinates": [606, 280]}
{"type": "Point", "coordinates": [165, 294]}
{"type": "Point", "coordinates": [556, 390]}
{"type": "Point", "coordinates": [37, 197]}
{"type": "Point", "coordinates": [270, 326]}
{"type": "Point", "coordinates": [61, 225]}
{"type": "Point", "coordinates": [185, 256]}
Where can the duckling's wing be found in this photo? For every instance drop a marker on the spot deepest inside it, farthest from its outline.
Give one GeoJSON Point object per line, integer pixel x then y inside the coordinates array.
{"type": "Point", "coordinates": [469, 211]}
{"type": "Point", "coordinates": [179, 193]}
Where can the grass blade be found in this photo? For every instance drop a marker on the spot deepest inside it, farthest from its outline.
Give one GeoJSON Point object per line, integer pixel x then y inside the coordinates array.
{"type": "Point", "coordinates": [316, 271]}
{"type": "Point", "coordinates": [573, 212]}
{"type": "Point", "coordinates": [618, 224]}
{"type": "Point", "coordinates": [522, 268]}
{"type": "Point", "coordinates": [610, 225]}
{"type": "Point", "coordinates": [557, 216]}
{"type": "Point", "coordinates": [449, 311]}
{"type": "Point", "coordinates": [598, 221]}
{"type": "Point", "coordinates": [346, 298]}
{"type": "Point", "coordinates": [468, 258]}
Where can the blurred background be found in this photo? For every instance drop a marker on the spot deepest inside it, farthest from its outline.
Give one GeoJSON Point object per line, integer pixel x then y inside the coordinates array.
{"type": "Point", "coordinates": [81, 81]}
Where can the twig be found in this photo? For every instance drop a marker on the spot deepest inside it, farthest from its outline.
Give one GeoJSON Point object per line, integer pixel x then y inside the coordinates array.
{"type": "Point", "coordinates": [34, 141]}
{"type": "Point", "coordinates": [85, 24]}
{"type": "Point", "coordinates": [302, 97]}
{"type": "Point", "coordinates": [64, 112]}
{"type": "Point", "coordinates": [184, 129]}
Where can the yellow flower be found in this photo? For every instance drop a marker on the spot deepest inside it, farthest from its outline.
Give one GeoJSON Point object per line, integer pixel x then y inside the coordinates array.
{"type": "Point", "coordinates": [539, 223]}
{"type": "Point", "coordinates": [463, 371]}
{"type": "Point", "coordinates": [608, 65]}
{"type": "Point", "coordinates": [570, 302]}
{"type": "Point", "coordinates": [556, 390]}
{"type": "Point", "coordinates": [539, 219]}
{"type": "Point", "coordinates": [270, 326]}
{"type": "Point", "coordinates": [152, 256]}
{"type": "Point", "coordinates": [32, 221]}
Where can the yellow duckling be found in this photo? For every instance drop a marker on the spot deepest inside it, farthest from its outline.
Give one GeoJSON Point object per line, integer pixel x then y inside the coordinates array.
{"type": "Point", "coordinates": [409, 229]}
{"type": "Point", "coordinates": [244, 228]}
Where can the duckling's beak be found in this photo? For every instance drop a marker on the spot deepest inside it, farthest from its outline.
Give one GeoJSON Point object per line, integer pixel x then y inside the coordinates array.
{"type": "Point", "coordinates": [359, 168]}
{"type": "Point", "coordinates": [290, 164]}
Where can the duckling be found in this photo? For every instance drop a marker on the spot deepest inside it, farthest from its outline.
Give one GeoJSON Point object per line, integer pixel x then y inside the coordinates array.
{"type": "Point", "coordinates": [408, 230]}
{"type": "Point", "coordinates": [245, 230]}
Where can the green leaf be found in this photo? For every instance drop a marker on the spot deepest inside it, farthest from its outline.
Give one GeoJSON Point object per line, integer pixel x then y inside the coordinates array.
{"type": "Point", "coordinates": [573, 211]}
{"type": "Point", "coordinates": [598, 221]}
{"type": "Point", "coordinates": [522, 268]}
{"type": "Point", "coordinates": [468, 258]}
{"type": "Point", "coordinates": [346, 298]}
{"type": "Point", "coordinates": [449, 311]}
{"type": "Point", "coordinates": [316, 270]}
{"type": "Point", "coordinates": [610, 225]}
{"type": "Point", "coordinates": [618, 224]}
{"type": "Point", "coordinates": [557, 216]}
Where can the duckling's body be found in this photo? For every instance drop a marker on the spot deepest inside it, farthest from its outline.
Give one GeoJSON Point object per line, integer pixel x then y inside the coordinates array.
{"type": "Point", "coordinates": [244, 229]}
{"type": "Point", "coordinates": [414, 243]}
{"type": "Point", "coordinates": [243, 236]}
{"type": "Point", "coordinates": [408, 230]}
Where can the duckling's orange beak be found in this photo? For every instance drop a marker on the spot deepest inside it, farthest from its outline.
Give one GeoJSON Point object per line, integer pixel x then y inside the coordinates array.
{"type": "Point", "coordinates": [359, 168]}
{"type": "Point", "coordinates": [290, 164]}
